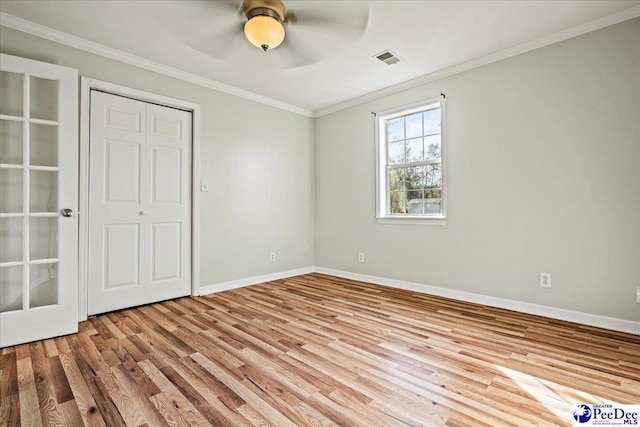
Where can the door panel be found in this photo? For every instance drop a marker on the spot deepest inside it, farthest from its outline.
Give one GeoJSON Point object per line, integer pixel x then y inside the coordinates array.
{"type": "Point", "coordinates": [130, 121]}
{"type": "Point", "coordinates": [38, 178]}
{"type": "Point", "coordinates": [166, 126]}
{"type": "Point", "coordinates": [121, 261]}
{"type": "Point", "coordinates": [139, 203]}
{"type": "Point", "coordinates": [166, 257]}
{"type": "Point", "coordinates": [166, 168]}
{"type": "Point", "coordinates": [122, 171]}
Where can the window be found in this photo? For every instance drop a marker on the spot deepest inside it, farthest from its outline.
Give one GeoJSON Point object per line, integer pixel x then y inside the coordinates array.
{"type": "Point", "coordinates": [411, 183]}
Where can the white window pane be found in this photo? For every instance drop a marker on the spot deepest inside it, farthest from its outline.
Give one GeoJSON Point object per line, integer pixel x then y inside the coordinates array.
{"type": "Point", "coordinates": [433, 176]}
{"type": "Point", "coordinates": [43, 238]}
{"type": "Point", "coordinates": [44, 98]}
{"type": "Point", "coordinates": [11, 288]}
{"type": "Point", "coordinates": [413, 125]}
{"type": "Point", "coordinates": [432, 147]}
{"type": "Point", "coordinates": [10, 142]}
{"type": "Point", "coordinates": [415, 205]}
{"type": "Point", "coordinates": [396, 152]}
{"type": "Point", "coordinates": [11, 85]}
{"type": "Point", "coordinates": [414, 195]}
{"type": "Point", "coordinates": [432, 206]}
{"type": "Point", "coordinates": [397, 201]}
{"type": "Point", "coordinates": [43, 285]}
{"type": "Point", "coordinates": [10, 239]}
{"type": "Point", "coordinates": [395, 129]}
{"type": "Point", "coordinates": [396, 179]}
{"type": "Point", "coordinates": [432, 121]}
{"type": "Point", "coordinates": [11, 190]}
{"type": "Point", "coordinates": [44, 191]}
{"type": "Point", "coordinates": [434, 193]}
{"type": "Point", "coordinates": [414, 177]}
{"type": "Point", "coordinates": [414, 150]}
{"type": "Point", "coordinates": [44, 145]}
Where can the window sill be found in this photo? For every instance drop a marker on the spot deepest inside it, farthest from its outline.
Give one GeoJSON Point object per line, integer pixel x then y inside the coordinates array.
{"type": "Point", "coordinates": [418, 220]}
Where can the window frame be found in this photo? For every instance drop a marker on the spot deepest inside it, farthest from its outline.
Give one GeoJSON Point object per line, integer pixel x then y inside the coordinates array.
{"type": "Point", "coordinates": [383, 214]}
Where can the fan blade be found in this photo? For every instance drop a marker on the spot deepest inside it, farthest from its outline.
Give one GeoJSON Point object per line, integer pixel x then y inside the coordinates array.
{"type": "Point", "coordinates": [222, 43]}
{"type": "Point", "coordinates": [344, 18]}
{"type": "Point", "coordinates": [181, 18]}
{"type": "Point", "coordinates": [294, 52]}
{"type": "Point", "coordinates": [209, 27]}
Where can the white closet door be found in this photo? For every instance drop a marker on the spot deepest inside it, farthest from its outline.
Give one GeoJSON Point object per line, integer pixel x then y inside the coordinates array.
{"type": "Point", "coordinates": [38, 200]}
{"type": "Point", "coordinates": [139, 203]}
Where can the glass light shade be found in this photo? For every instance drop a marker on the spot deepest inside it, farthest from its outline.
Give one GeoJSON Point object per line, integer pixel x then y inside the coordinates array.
{"type": "Point", "coordinates": [264, 31]}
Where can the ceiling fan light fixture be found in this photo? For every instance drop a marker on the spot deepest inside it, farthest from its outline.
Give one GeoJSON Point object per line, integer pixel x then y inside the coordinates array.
{"type": "Point", "coordinates": [264, 31]}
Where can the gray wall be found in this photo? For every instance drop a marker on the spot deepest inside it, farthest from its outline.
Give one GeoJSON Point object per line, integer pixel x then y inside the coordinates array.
{"type": "Point", "coordinates": [544, 176]}
{"type": "Point", "coordinates": [258, 159]}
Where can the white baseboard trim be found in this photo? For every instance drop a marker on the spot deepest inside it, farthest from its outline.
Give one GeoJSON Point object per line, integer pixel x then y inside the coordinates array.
{"type": "Point", "coordinates": [241, 283]}
{"type": "Point", "coordinates": [611, 323]}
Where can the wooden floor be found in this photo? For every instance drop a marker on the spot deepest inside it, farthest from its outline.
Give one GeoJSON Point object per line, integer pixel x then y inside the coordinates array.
{"type": "Point", "coordinates": [317, 350]}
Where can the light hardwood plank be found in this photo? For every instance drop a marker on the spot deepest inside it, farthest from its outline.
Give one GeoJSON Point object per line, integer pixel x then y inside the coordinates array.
{"type": "Point", "coordinates": [29, 407]}
{"type": "Point", "coordinates": [316, 350]}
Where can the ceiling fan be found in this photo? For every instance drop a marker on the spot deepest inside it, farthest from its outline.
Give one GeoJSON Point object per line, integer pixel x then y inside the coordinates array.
{"type": "Point", "coordinates": [293, 34]}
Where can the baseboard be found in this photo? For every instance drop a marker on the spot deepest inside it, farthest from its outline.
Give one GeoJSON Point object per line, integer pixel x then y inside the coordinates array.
{"type": "Point", "coordinates": [604, 322]}
{"type": "Point", "coordinates": [240, 283]}
{"type": "Point", "coordinates": [611, 323]}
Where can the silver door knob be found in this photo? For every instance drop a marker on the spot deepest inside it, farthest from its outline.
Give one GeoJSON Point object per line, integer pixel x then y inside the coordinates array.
{"type": "Point", "coordinates": [142, 213]}
{"type": "Point", "coordinates": [67, 212]}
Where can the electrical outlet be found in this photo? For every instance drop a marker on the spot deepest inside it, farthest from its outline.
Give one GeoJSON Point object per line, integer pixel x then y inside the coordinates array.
{"type": "Point", "coordinates": [360, 256]}
{"type": "Point", "coordinates": [272, 257]}
{"type": "Point", "coordinates": [545, 280]}
{"type": "Point", "coordinates": [638, 295]}
{"type": "Point", "coordinates": [204, 186]}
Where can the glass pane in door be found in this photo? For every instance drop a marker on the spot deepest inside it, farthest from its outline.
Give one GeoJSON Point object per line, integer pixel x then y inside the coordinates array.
{"type": "Point", "coordinates": [11, 90]}
{"type": "Point", "coordinates": [43, 238]}
{"type": "Point", "coordinates": [44, 145]}
{"type": "Point", "coordinates": [11, 190]}
{"type": "Point", "coordinates": [44, 98]}
{"type": "Point", "coordinates": [43, 191]}
{"type": "Point", "coordinates": [11, 145]}
{"type": "Point", "coordinates": [11, 288]}
{"type": "Point", "coordinates": [43, 285]}
{"type": "Point", "coordinates": [11, 239]}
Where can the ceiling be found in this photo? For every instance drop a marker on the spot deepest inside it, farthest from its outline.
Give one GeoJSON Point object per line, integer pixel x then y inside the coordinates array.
{"type": "Point", "coordinates": [327, 58]}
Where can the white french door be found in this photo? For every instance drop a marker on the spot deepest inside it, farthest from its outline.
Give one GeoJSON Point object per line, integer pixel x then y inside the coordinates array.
{"type": "Point", "coordinates": [139, 203]}
{"type": "Point", "coordinates": [38, 200]}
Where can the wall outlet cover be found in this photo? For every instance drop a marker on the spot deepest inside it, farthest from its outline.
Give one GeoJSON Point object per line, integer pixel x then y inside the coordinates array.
{"type": "Point", "coordinates": [545, 280]}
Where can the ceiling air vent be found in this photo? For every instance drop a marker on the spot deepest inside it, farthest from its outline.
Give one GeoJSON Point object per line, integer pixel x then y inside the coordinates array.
{"type": "Point", "coordinates": [387, 57]}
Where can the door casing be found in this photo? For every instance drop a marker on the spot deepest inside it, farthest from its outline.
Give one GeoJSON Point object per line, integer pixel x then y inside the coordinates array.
{"type": "Point", "coordinates": [86, 85]}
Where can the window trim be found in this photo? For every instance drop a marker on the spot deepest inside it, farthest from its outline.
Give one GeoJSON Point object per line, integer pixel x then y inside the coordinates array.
{"type": "Point", "coordinates": [382, 193]}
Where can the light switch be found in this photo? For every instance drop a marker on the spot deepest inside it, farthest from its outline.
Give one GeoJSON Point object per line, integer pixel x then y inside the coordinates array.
{"type": "Point", "coordinates": [204, 186]}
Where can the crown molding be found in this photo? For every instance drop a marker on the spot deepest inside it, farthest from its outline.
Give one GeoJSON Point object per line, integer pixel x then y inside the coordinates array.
{"type": "Point", "coordinates": [38, 30]}
{"type": "Point", "coordinates": [578, 30]}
